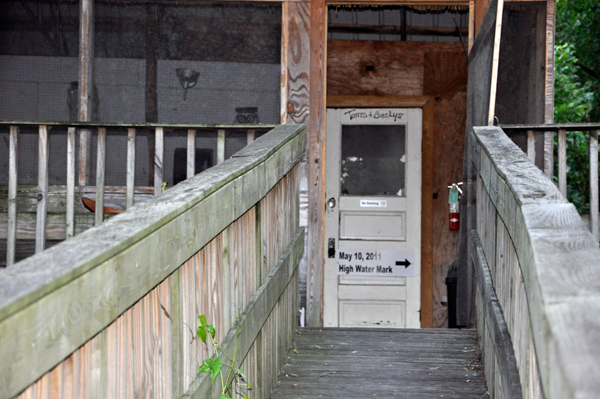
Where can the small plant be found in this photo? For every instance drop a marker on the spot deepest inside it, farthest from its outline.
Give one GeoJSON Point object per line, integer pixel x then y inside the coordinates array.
{"type": "Point", "coordinates": [235, 382]}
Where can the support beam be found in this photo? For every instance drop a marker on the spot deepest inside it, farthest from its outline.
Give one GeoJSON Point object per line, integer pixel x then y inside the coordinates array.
{"type": "Point", "coordinates": [86, 81]}
{"type": "Point", "coordinates": [191, 153]}
{"type": "Point", "coordinates": [495, 62]}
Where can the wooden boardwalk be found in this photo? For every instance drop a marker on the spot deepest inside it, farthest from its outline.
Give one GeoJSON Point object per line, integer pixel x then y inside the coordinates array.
{"type": "Point", "coordinates": [382, 363]}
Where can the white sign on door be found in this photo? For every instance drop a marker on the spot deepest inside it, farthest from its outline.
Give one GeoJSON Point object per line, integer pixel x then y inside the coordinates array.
{"type": "Point", "coordinates": [373, 203]}
{"type": "Point", "coordinates": [376, 263]}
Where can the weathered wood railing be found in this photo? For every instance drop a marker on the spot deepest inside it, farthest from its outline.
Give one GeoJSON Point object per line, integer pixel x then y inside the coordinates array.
{"type": "Point", "coordinates": [562, 130]}
{"type": "Point", "coordinates": [112, 312]}
{"type": "Point", "coordinates": [538, 279]}
{"type": "Point", "coordinates": [63, 222]}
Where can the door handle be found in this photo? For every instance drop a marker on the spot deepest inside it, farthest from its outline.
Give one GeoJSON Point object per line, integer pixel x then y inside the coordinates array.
{"type": "Point", "coordinates": [331, 203]}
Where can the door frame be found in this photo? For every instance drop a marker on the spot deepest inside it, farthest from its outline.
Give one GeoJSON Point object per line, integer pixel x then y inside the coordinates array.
{"type": "Point", "coordinates": [426, 104]}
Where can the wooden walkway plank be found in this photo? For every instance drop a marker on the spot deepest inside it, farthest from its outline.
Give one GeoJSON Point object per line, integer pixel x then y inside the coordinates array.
{"type": "Point", "coordinates": [361, 363]}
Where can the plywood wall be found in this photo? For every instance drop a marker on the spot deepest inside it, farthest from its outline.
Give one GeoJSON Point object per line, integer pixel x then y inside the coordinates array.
{"type": "Point", "coordinates": [438, 70]}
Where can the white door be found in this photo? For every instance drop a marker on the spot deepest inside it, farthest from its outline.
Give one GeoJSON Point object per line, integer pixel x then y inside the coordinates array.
{"type": "Point", "coordinates": [372, 247]}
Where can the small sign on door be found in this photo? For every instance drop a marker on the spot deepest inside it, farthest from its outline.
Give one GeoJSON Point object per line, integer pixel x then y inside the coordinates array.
{"type": "Point", "coordinates": [376, 263]}
{"type": "Point", "coordinates": [366, 203]}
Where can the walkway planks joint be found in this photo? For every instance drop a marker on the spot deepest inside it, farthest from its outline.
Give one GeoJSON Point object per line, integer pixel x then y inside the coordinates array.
{"type": "Point", "coordinates": [382, 363]}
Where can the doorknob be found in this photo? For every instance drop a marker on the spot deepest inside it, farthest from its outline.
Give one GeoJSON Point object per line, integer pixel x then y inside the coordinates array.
{"type": "Point", "coordinates": [331, 203]}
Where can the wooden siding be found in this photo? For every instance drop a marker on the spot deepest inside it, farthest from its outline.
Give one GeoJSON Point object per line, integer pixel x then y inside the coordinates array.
{"type": "Point", "coordinates": [543, 265]}
{"type": "Point", "coordinates": [114, 311]}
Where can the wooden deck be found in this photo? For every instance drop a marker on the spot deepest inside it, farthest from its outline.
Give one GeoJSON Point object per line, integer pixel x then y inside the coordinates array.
{"type": "Point", "coordinates": [361, 363]}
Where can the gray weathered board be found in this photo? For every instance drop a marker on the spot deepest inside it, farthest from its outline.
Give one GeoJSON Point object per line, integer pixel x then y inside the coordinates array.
{"type": "Point", "coordinates": [362, 363]}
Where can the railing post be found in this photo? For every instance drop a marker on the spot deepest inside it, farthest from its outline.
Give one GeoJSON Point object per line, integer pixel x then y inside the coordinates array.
{"type": "Point", "coordinates": [13, 167]}
{"type": "Point", "coordinates": [562, 162]}
{"type": "Point", "coordinates": [594, 183]}
{"type": "Point", "coordinates": [101, 154]}
{"type": "Point", "coordinates": [549, 154]}
{"type": "Point", "coordinates": [191, 153]}
{"type": "Point", "coordinates": [220, 146]}
{"type": "Point", "coordinates": [86, 81]}
{"type": "Point", "coordinates": [158, 160]}
{"type": "Point", "coordinates": [250, 135]}
{"type": "Point", "coordinates": [70, 216]}
{"type": "Point", "coordinates": [531, 145]}
{"type": "Point", "coordinates": [42, 191]}
{"type": "Point", "coordinates": [130, 184]}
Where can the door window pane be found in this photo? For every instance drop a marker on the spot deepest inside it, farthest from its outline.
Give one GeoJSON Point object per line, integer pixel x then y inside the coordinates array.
{"type": "Point", "coordinates": [373, 160]}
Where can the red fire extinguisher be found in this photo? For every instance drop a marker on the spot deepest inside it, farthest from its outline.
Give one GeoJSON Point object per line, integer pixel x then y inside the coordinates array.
{"type": "Point", "coordinates": [454, 206]}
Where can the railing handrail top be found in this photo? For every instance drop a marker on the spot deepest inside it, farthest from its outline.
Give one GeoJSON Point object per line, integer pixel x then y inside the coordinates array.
{"type": "Point", "coordinates": [26, 283]}
{"type": "Point", "coordinates": [139, 125]}
{"type": "Point", "coordinates": [571, 127]}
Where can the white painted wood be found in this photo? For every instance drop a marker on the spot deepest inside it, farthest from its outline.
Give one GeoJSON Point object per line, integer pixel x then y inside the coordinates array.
{"type": "Point", "coordinates": [531, 145]}
{"type": "Point", "coordinates": [13, 173]}
{"type": "Point", "coordinates": [562, 162]}
{"type": "Point", "coordinates": [158, 160]}
{"type": "Point", "coordinates": [43, 158]}
{"type": "Point", "coordinates": [191, 153]}
{"type": "Point", "coordinates": [594, 183]}
{"type": "Point", "coordinates": [220, 146]}
{"type": "Point", "coordinates": [100, 174]}
{"type": "Point", "coordinates": [130, 183]}
{"type": "Point", "coordinates": [71, 157]}
{"type": "Point", "coordinates": [495, 62]}
{"type": "Point", "coordinates": [389, 223]}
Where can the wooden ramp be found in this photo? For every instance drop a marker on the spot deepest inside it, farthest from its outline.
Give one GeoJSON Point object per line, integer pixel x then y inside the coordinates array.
{"type": "Point", "coordinates": [382, 363]}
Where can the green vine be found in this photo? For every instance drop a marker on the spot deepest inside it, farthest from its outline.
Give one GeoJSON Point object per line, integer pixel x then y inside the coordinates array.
{"type": "Point", "coordinates": [235, 382]}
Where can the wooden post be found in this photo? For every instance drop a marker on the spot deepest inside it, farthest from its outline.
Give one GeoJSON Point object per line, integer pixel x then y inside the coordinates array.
{"type": "Point", "coordinates": [562, 161]}
{"type": "Point", "coordinates": [495, 61]}
{"type": "Point", "coordinates": [158, 160]}
{"type": "Point", "coordinates": [471, 24]}
{"type": "Point", "coordinates": [130, 184]}
{"type": "Point", "coordinates": [86, 81]}
{"type": "Point", "coordinates": [531, 145]}
{"type": "Point", "coordinates": [42, 191]}
{"type": "Point", "coordinates": [285, 35]}
{"type": "Point", "coordinates": [70, 216]}
{"type": "Point", "coordinates": [13, 168]}
{"type": "Point", "coordinates": [250, 136]}
{"type": "Point", "coordinates": [191, 153]}
{"type": "Point", "coordinates": [549, 88]}
{"type": "Point", "coordinates": [594, 183]}
{"type": "Point", "coordinates": [100, 166]}
{"type": "Point", "coordinates": [220, 146]}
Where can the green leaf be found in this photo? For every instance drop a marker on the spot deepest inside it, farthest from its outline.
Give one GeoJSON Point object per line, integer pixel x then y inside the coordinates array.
{"type": "Point", "coordinates": [211, 330]}
{"type": "Point", "coordinates": [201, 331]}
{"type": "Point", "coordinates": [215, 368]}
{"type": "Point", "coordinates": [204, 369]}
{"type": "Point", "coordinates": [202, 319]}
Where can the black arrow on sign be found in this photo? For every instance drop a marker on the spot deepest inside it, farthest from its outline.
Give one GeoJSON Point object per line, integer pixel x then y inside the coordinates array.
{"type": "Point", "coordinates": [405, 263]}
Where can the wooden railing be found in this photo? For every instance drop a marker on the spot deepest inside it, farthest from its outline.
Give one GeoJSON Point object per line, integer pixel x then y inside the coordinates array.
{"type": "Point", "coordinates": [562, 130]}
{"type": "Point", "coordinates": [538, 279]}
{"type": "Point", "coordinates": [34, 203]}
{"type": "Point", "coordinates": [113, 311]}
